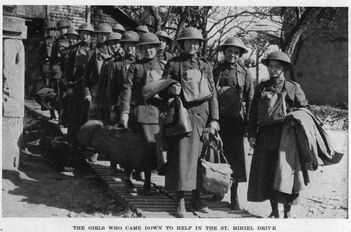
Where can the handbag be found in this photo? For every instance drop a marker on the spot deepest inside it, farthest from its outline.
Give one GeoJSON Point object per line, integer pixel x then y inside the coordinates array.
{"type": "Point", "coordinates": [216, 173]}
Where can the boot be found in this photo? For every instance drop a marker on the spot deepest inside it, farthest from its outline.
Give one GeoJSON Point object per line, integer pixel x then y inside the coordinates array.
{"type": "Point", "coordinates": [196, 202]}
{"type": "Point", "coordinates": [275, 211]}
{"type": "Point", "coordinates": [180, 207]}
{"type": "Point", "coordinates": [234, 205]}
{"type": "Point", "coordinates": [287, 211]}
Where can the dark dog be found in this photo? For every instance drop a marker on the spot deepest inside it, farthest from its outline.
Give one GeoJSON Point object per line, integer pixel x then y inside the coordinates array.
{"type": "Point", "coordinates": [122, 146]}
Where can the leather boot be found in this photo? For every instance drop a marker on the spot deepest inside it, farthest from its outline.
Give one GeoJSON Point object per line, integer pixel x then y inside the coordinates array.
{"type": "Point", "coordinates": [180, 207]}
{"type": "Point", "coordinates": [275, 211]}
{"type": "Point", "coordinates": [196, 202]}
{"type": "Point", "coordinates": [234, 204]}
{"type": "Point", "coordinates": [287, 211]}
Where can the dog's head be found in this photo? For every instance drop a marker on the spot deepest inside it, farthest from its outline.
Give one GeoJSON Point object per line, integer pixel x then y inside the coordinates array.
{"type": "Point", "coordinates": [88, 131]}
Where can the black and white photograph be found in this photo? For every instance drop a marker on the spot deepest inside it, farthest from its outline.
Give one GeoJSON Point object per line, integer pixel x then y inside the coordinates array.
{"type": "Point", "coordinates": [175, 116]}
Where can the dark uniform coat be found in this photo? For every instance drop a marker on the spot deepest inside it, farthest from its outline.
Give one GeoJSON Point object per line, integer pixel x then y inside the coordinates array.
{"type": "Point", "coordinates": [75, 72]}
{"type": "Point", "coordinates": [163, 55]}
{"type": "Point", "coordinates": [117, 74]}
{"type": "Point", "coordinates": [45, 50]}
{"type": "Point", "coordinates": [265, 155]}
{"type": "Point", "coordinates": [184, 150]}
{"type": "Point", "coordinates": [58, 46]}
{"type": "Point", "coordinates": [233, 127]}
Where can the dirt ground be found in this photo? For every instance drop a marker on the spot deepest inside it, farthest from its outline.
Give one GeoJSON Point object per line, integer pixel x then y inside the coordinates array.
{"type": "Point", "coordinates": [38, 190]}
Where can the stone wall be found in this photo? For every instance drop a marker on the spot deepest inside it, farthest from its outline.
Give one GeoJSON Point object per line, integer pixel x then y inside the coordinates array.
{"type": "Point", "coordinates": [322, 68]}
{"type": "Point", "coordinates": [14, 30]}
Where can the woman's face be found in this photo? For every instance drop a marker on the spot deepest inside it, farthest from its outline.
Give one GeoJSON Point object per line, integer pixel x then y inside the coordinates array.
{"type": "Point", "coordinates": [129, 48]}
{"type": "Point", "coordinates": [232, 54]}
{"type": "Point", "coordinates": [50, 32]}
{"type": "Point", "coordinates": [85, 36]}
{"type": "Point", "coordinates": [149, 50]}
{"type": "Point", "coordinates": [102, 36]}
{"type": "Point", "coordinates": [163, 43]}
{"type": "Point", "coordinates": [275, 68]}
{"type": "Point", "coordinates": [114, 45]}
{"type": "Point", "coordinates": [63, 30]}
{"type": "Point", "coordinates": [72, 39]}
{"type": "Point", "coordinates": [191, 46]}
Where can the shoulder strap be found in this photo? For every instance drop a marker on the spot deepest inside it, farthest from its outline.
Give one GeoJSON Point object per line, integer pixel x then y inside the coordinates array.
{"type": "Point", "coordinates": [220, 76]}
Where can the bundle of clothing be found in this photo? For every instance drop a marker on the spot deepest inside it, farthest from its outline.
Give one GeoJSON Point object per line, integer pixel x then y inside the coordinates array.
{"type": "Point", "coordinates": [304, 146]}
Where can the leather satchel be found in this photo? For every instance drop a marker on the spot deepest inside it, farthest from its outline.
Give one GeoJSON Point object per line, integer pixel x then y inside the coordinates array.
{"type": "Point", "coordinates": [216, 173]}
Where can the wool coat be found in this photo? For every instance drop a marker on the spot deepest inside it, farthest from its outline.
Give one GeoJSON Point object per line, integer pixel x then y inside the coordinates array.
{"type": "Point", "coordinates": [268, 137]}
{"type": "Point", "coordinates": [183, 151]}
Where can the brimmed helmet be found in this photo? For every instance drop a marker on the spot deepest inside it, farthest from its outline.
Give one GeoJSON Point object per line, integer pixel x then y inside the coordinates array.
{"type": "Point", "coordinates": [71, 31]}
{"type": "Point", "coordinates": [63, 23]}
{"type": "Point", "coordinates": [190, 33]}
{"type": "Point", "coordinates": [280, 56]}
{"type": "Point", "coordinates": [86, 27]}
{"type": "Point", "coordinates": [130, 36]}
{"type": "Point", "coordinates": [113, 36]}
{"type": "Point", "coordinates": [142, 28]}
{"type": "Point", "coordinates": [118, 27]}
{"type": "Point", "coordinates": [148, 38]}
{"type": "Point", "coordinates": [164, 35]}
{"type": "Point", "coordinates": [49, 25]}
{"type": "Point", "coordinates": [103, 28]}
{"type": "Point", "coordinates": [236, 42]}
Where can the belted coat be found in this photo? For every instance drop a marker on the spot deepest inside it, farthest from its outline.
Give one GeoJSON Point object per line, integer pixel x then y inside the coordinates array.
{"type": "Point", "coordinates": [183, 151]}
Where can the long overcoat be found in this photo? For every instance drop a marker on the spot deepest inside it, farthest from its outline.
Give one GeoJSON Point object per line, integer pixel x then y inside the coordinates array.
{"type": "Point", "coordinates": [268, 137]}
{"type": "Point", "coordinates": [183, 151]}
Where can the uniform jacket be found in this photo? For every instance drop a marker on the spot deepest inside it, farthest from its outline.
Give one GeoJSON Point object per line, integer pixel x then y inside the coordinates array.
{"type": "Point", "coordinates": [58, 46]}
{"type": "Point", "coordinates": [117, 73]}
{"type": "Point", "coordinates": [135, 81]}
{"type": "Point", "coordinates": [75, 71]}
{"type": "Point", "coordinates": [45, 50]}
{"type": "Point", "coordinates": [163, 55]}
{"type": "Point", "coordinates": [231, 73]}
{"type": "Point", "coordinates": [96, 58]}
{"type": "Point", "coordinates": [295, 98]}
{"type": "Point", "coordinates": [172, 70]}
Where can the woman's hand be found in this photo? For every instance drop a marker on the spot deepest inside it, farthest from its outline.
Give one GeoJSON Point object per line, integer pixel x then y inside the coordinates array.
{"type": "Point", "coordinates": [252, 142]}
{"type": "Point", "coordinates": [175, 89]}
{"type": "Point", "coordinates": [214, 124]}
{"type": "Point", "coordinates": [87, 98]}
{"type": "Point", "coordinates": [113, 116]}
{"type": "Point", "coordinates": [70, 92]}
{"type": "Point", "coordinates": [124, 120]}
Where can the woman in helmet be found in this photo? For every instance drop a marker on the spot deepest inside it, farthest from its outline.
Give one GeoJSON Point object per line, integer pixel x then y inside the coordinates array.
{"type": "Point", "coordinates": [95, 61]}
{"type": "Point", "coordinates": [163, 54]}
{"type": "Point", "coordinates": [117, 73]}
{"type": "Point", "coordinates": [184, 150]}
{"type": "Point", "coordinates": [74, 73]}
{"type": "Point", "coordinates": [143, 115]}
{"type": "Point", "coordinates": [265, 132]}
{"type": "Point", "coordinates": [235, 91]}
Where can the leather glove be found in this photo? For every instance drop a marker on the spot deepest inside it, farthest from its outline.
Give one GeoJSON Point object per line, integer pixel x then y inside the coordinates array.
{"type": "Point", "coordinates": [214, 124]}
{"type": "Point", "coordinates": [124, 120]}
{"type": "Point", "coordinates": [252, 142]}
{"type": "Point", "coordinates": [175, 89]}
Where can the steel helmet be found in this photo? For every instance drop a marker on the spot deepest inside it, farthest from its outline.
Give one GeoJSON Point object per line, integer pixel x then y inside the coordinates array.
{"type": "Point", "coordinates": [164, 35]}
{"type": "Point", "coordinates": [49, 25]}
{"type": "Point", "coordinates": [118, 28]}
{"type": "Point", "coordinates": [71, 31]}
{"type": "Point", "coordinates": [63, 23]}
{"type": "Point", "coordinates": [142, 28]}
{"type": "Point", "coordinates": [85, 27]}
{"type": "Point", "coordinates": [130, 36]}
{"type": "Point", "coordinates": [103, 28]}
{"type": "Point", "coordinates": [190, 33]}
{"type": "Point", "coordinates": [236, 42]}
{"type": "Point", "coordinates": [278, 55]}
{"type": "Point", "coordinates": [113, 36]}
{"type": "Point", "coordinates": [148, 38]}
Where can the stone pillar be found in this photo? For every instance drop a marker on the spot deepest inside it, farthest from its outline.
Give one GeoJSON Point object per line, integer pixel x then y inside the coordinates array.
{"type": "Point", "coordinates": [14, 30]}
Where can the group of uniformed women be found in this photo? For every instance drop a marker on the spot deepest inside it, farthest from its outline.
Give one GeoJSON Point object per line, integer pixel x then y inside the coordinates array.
{"type": "Point", "coordinates": [105, 82]}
